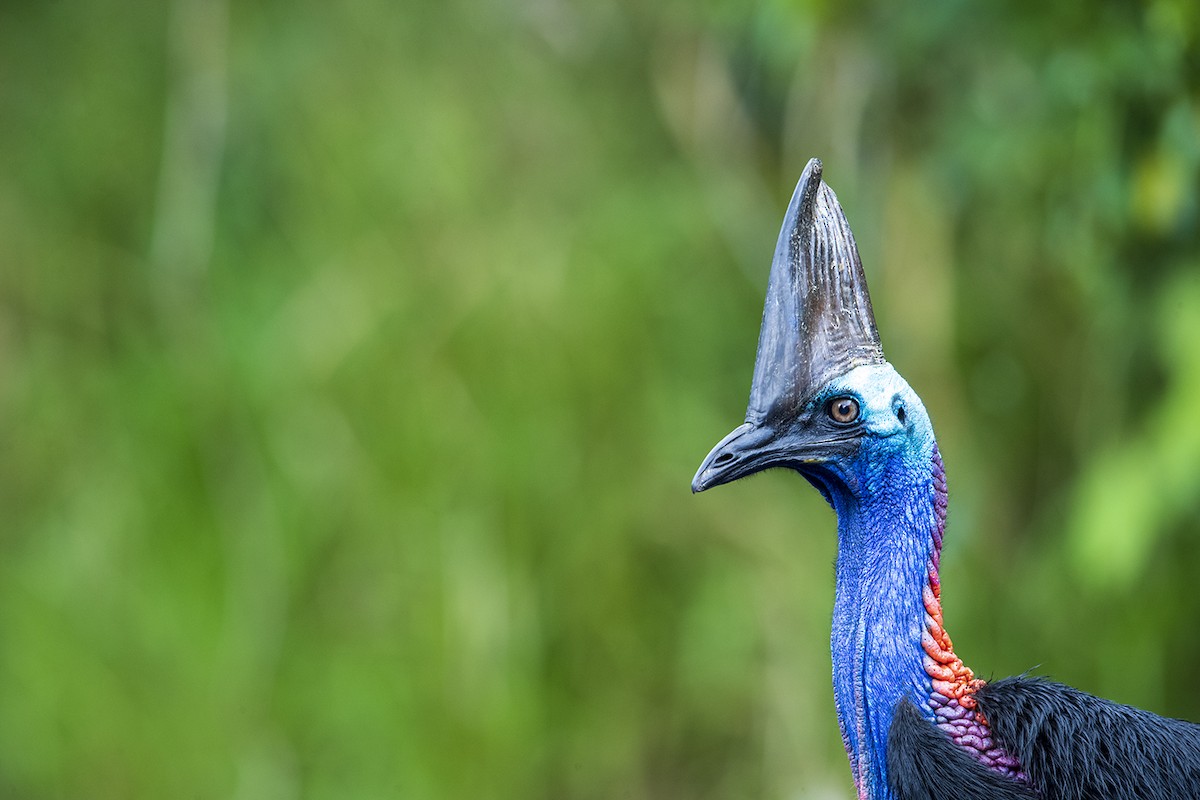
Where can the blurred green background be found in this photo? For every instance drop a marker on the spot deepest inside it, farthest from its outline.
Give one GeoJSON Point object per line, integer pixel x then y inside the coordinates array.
{"type": "Point", "coordinates": [355, 360]}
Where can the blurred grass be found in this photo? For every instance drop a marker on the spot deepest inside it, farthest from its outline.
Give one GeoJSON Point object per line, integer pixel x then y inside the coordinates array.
{"type": "Point", "coordinates": [354, 362]}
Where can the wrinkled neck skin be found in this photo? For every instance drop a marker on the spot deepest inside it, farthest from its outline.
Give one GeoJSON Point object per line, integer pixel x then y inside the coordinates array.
{"type": "Point", "coordinates": [888, 642]}
{"type": "Point", "coordinates": [885, 546]}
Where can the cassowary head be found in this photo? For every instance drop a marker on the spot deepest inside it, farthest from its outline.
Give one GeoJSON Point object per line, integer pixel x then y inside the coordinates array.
{"type": "Point", "coordinates": [824, 401]}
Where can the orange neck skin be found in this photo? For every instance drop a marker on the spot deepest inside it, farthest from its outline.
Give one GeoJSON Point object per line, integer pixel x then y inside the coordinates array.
{"type": "Point", "coordinates": [951, 704]}
{"type": "Point", "coordinates": [951, 678]}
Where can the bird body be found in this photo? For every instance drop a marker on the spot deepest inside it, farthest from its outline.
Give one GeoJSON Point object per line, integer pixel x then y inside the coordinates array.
{"type": "Point", "coordinates": [915, 721]}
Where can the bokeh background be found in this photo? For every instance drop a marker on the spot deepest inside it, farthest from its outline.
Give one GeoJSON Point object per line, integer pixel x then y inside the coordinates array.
{"type": "Point", "coordinates": [355, 359]}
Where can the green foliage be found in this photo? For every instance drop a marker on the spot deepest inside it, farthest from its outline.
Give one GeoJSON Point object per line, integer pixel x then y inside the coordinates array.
{"type": "Point", "coordinates": [355, 360]}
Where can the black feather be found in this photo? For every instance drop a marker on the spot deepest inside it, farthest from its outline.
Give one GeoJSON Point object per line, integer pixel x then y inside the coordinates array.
{"type": "Point", "coordinates": [1075, 746]}
{"type": "Point", "coordinates": [924, 764]}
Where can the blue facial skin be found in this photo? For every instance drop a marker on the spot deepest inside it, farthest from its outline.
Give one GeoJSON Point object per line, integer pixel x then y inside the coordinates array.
{"type": "Point", "coordinates": [883, 494]}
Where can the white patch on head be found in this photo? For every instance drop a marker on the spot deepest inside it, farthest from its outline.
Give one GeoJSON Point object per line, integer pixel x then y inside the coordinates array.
{"type": "Point", "coordinates": [881, 391]}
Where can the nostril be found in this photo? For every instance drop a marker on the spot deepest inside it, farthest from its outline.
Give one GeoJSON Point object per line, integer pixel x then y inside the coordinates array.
{"type": "Point", "coordinates": [723, 459]}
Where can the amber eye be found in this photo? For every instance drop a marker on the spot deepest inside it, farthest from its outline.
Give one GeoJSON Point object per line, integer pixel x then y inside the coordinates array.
{"type": "Point", "coordinates": [843, 410]}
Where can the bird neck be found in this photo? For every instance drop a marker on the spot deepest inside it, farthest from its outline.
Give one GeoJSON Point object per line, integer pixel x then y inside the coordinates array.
{"type": "Point", "coordinates": [888, 640]}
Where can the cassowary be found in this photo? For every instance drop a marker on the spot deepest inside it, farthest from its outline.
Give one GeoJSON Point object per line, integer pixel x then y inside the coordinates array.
{"type": "Point", "coordinates": [915, 721]}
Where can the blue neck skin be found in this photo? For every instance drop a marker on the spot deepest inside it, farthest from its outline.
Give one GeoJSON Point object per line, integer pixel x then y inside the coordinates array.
{"type": "Point", "coordinates": [884, 499]}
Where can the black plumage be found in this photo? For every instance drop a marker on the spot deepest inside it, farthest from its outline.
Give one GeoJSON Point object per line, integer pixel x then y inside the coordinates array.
{"type": "Point", "coordinates": [924, 764]}
{"type": "Point", "coordinates": [1075, 746]}
{"type": "Point", "coordinates": [1072, 745]}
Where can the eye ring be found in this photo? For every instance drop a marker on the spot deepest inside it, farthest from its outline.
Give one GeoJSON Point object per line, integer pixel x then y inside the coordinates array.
{"type": "Point", "coordinates": [843, 410]}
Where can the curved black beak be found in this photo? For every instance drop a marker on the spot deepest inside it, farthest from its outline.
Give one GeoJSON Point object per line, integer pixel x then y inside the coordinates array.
{"type": "Point", "coordinates": [727, 460]}
{"type": "Point", "coordinates": [752, 447]}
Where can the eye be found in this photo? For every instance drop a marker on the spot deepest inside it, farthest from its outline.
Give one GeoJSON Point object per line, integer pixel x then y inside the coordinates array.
{"type": "Point", "coordinates": [843, 410]}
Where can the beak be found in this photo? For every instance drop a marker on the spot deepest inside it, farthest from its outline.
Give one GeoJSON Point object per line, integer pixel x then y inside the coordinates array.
{"type": "Point", "coordinates": [751, 448]}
